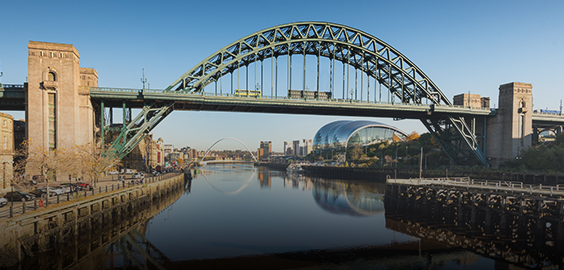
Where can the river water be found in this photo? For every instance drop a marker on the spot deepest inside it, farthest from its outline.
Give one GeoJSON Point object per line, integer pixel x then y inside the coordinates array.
{"type": "Point", "coordinates": [241, 216]}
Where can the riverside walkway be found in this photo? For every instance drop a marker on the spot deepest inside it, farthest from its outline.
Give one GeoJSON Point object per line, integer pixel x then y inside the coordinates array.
{"type": "Point", "coordinates": [105, 184]}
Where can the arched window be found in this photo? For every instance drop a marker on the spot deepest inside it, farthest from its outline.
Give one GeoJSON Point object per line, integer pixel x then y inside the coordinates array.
{"type": "Point", "coordinates": [51, 76]}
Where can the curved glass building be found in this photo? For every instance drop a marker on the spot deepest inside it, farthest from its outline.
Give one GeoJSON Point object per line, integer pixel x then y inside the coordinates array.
{"type": "Point", "coordinates": [339, 135]}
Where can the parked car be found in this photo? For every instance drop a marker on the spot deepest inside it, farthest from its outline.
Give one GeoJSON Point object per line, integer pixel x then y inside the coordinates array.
{"type": "Point", "coordinates": [138, 175]}
{"type": "Point", "coordinates": [113, 172]}
{"type": "Point", "coordinates": [18, 196]}
{"type": "Point", "coordinates": [65, 188]}
{"type": "Point", "coordinates": [85, 186]}
{"type": "Point", "coordinates": [3, 202]}
{"type": "Point", "coordinates": [71, 186]}
{"type": "Point", "coordinates": [41, 193]}
{"type": "Point", "coordinates": [57, 190]}
{"type": "Point", "coordinates": [128, 171]}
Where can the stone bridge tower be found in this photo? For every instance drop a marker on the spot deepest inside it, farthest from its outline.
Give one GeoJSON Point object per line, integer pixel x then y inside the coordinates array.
{"type": "Point", "coordinates": [511, 130]}
{"type": "Point", "coordinates": [58, 108]}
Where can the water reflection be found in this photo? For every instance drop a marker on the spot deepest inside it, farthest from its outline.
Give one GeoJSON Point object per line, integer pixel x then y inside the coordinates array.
{"type": "Point", "coordinates": [345, 198]}
{"type": "Point", "coordinates": [274, 220]}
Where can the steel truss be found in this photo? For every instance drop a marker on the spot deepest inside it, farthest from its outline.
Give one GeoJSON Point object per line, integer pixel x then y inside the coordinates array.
{"type": "Point", "coordinates": [132, 133]}
{"type": "Point", "coordinates": [456, 139]}
{"type": "Point", "coordinates": [403, 79]}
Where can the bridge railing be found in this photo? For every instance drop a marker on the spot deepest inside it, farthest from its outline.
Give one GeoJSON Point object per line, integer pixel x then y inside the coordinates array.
{"type": "Point", "coordinates": [17, 86]}
{"type": "Point", "coordinates": [269, 97]}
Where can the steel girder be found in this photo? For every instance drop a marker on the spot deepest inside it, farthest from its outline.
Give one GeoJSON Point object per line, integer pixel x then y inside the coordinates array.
{"type": "Point", "coordinates": [456, 139]}
{"type": "Point", "coordinates": [149, 117]}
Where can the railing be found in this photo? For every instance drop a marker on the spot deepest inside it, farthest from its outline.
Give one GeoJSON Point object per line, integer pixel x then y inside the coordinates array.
{"type": "Point", "coordinates": [9, 211]}
{"type": "Point", "coordinates": [19, 86]}
{"type": "Point", "coordinates": [272, 97]}
{"type": "Point", "coordinates": [548, 113]}
{"type": "Point", "coordinates": [466, 182]}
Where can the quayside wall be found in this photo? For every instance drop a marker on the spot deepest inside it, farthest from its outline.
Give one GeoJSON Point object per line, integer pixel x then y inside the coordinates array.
{"type": "Point", "coordinates": [27, 237]}
{"type": "Point", "coordinates": [520, 224]}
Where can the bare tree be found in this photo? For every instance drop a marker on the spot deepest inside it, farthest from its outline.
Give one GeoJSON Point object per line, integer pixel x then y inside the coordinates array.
{"type": "Point", "coordinates": [92, 161]}
{"type": "Point", "coordinates": [46, 162]}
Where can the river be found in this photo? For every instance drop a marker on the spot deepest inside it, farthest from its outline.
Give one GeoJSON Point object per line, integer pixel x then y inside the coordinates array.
{"type": "Point", "coordinates": [241, 216]}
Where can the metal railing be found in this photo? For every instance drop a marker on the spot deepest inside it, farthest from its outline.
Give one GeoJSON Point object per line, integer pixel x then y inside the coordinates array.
{"type": "Point", "coordinates": [271, 97]}
{"type": "Point", "coordinates": [9, 211]}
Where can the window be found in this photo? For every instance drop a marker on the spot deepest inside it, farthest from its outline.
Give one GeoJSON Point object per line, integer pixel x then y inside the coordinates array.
{"type": "Point", "coordinates": [5, 143]}
{"type": "Point", "coordinates": [52, 121]}
{"type": "Point", "coordinates": [51, 76]}
{"type": "Point", "coordinates": [50, 54]}
{"type": "Point", "coordinates": [4, 123]}
{"type": "Point", "coordinates": [60, 55]}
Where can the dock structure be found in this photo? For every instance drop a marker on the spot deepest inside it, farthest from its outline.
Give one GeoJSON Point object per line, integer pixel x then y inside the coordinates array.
{"type": "Point", "coordinates": [492, 211]}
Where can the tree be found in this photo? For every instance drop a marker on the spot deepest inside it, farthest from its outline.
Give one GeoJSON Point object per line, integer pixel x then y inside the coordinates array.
{"type": "Point", "coordinates": [412, 136]}
{"type": "Point", "coordinates": [356, 152]}
{"type": "Point", "coordinates": [93, 161]}
{"type": "Point", "coordinates": [46, 162]}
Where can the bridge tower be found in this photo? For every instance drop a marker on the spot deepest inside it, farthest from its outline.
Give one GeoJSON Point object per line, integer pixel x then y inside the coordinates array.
{"type": "Point", "coordinates": [511, 130]}
{"type": "Point", "coordinates": [58, 108]}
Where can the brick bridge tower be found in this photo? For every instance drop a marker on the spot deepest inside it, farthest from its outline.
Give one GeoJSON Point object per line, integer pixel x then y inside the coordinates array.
{"type": "Point", "coordinates": [511, 130]}
{"type": "Point", "coordinates": [58, 108]}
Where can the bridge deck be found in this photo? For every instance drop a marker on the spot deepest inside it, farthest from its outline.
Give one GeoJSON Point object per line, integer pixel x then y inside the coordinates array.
{"type": "Point", "coordinates": [265, 104]}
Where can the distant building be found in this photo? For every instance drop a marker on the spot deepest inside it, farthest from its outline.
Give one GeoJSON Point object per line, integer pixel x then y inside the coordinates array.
{"type": "Point", "coordinates": [339, 135]}
{"type": "Point", "coordinates": [307, 147]}
{"type": "Point", "coordinates": [168, 148]}
{"type": "Point", "coordinates": [289, 151]}
{"type": "Point", "coordinates": [471, 100]}
{"type": "Point", "coordinates": [296, 147]}
{"type": "Point", "coordinates": [265, 150]}
{"type": "Point", "coordinates": [6, 150]}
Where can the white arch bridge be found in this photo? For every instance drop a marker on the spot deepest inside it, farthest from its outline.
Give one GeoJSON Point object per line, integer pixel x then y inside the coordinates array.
{"type": "Point", "coordinates": [227, 161]}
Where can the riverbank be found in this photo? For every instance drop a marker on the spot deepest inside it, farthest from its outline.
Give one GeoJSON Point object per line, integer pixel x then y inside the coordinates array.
{"type": "Point", "coordinates": [32, 233]}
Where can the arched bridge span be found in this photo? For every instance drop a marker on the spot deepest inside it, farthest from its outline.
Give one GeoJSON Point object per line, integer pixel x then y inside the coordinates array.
{"type": "Point", "coordinates": [228, 138]}
{"type": "Point", "coordinates": [412, 94]}
{"type": "Point", "coordinates": [334, 41]}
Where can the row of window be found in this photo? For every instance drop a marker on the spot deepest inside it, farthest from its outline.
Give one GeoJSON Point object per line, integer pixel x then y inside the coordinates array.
{"type": "Point", "coordinates": [51, 54]}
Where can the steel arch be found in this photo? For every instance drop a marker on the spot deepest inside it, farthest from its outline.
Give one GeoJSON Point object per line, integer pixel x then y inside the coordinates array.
{"type": "Point", "coordinates": [228, 138]}
{"type": "Point", "coordinates": [346, 44]}
{"type": "Point", "coordinates": [377, 59]}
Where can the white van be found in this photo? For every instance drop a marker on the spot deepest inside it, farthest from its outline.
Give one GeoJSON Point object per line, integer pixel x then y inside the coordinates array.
{"type": "Point", "coordinates": [128, 171]}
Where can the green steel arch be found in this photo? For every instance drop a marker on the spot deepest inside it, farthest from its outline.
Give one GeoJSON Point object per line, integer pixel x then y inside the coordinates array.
{"type": "Point", "coordinates": [377, 59]}
{"type": "Point", "coordinates": [352, 46]}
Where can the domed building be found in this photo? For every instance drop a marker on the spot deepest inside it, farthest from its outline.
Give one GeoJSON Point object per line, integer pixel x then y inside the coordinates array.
{"type": "Point", "coordinates": [340, 135]}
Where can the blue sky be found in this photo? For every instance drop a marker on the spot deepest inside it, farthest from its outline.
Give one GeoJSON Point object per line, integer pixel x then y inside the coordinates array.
{"type": "Point", "coordinates": [463, 46]}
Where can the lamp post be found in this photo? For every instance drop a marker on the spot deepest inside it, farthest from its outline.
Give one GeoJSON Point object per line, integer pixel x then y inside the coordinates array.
{"type": "Point", "coordinates": [396, 155]}
{"type": "Point", "coordinates": [421, 163]}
